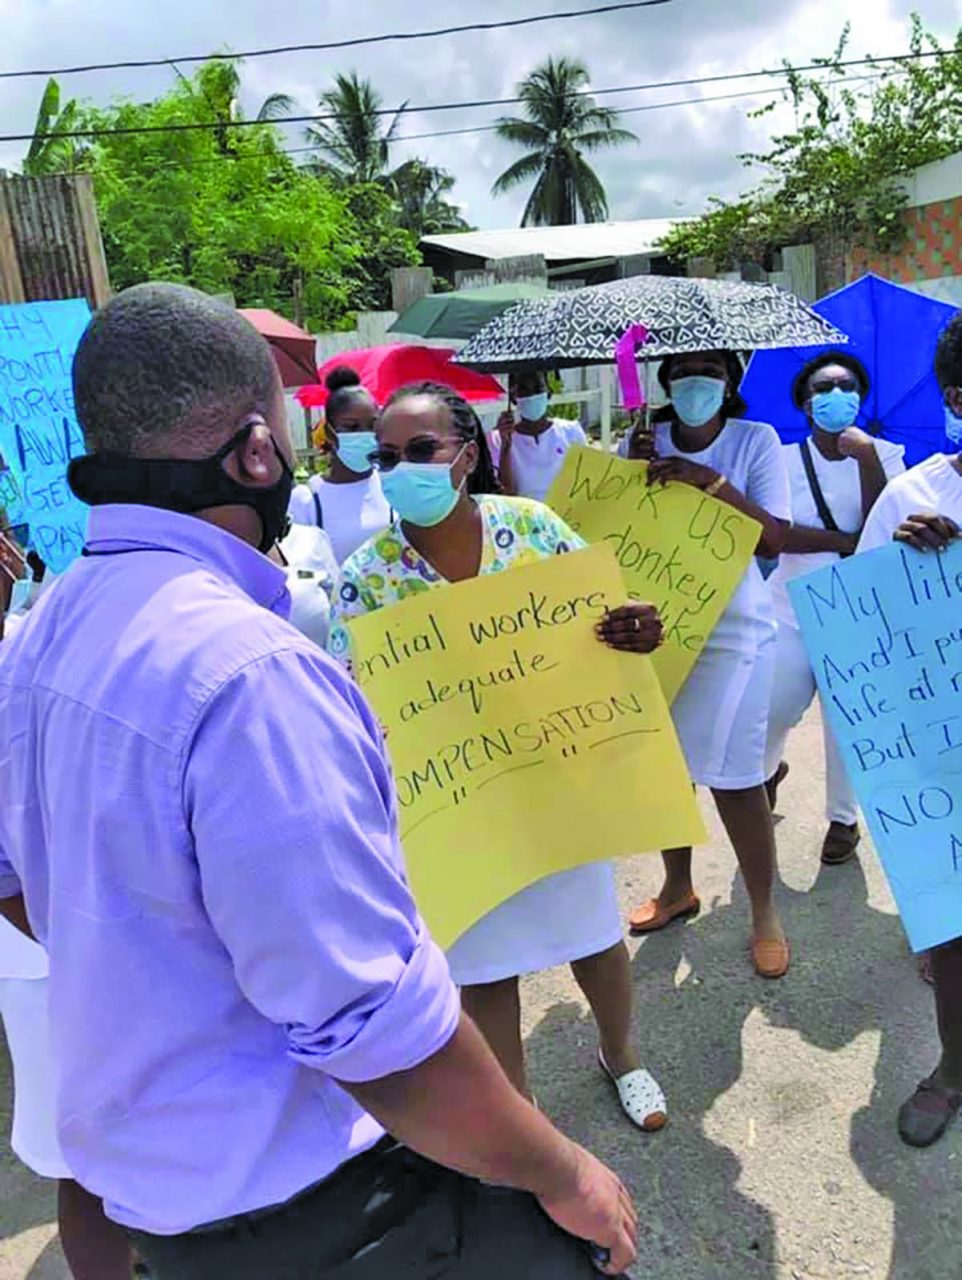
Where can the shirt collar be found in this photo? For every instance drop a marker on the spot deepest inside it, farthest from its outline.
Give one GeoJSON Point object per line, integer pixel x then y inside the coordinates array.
{"type": "Point", "coordinates": [122, 527]}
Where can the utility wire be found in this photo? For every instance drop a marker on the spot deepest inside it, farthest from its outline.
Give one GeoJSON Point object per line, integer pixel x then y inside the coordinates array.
{"type": "Point", "coordinates": [233, 158]}
{"type": "Point", "coordinates": [353, 43]}
{"type": "Point", "coordinates": [193, 127]}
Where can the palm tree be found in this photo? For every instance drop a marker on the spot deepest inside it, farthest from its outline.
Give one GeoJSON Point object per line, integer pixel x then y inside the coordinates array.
{"type": "Point", "coordinates": [420, 192]}
{"type": "Point", "coordinates": [561, 122]}
{"type": "Point", "coordinates": [355, 144]}
{"type": "Point", "coordinates": [53, 155]}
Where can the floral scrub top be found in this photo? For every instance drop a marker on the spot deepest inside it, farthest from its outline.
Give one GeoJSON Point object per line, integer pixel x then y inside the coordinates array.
{"type": "Point", "coordinates": [387, 568]}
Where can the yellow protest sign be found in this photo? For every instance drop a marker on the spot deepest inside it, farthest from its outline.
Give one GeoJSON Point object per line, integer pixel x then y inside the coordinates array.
{"type": "Point", "coordinates": [521, 744]}
{"type": "Point", "coordinates": [676, 547]}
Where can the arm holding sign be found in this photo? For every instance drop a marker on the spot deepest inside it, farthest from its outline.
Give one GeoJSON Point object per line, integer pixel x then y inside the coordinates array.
{"type": "Point", "coordinates": [767, 496]}
{"type": "Point", "coordinates": [927, 531]}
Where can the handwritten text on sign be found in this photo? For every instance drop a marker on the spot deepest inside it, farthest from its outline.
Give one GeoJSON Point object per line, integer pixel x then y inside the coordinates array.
{"type": "Point", "coordinates": [38, 428]}
{"type": "Point", "coordinates": [884, 633]}
{"type": "Point", "coordinates": [521, 744]}
{"type": "Point", "coordinates": [677, 548]}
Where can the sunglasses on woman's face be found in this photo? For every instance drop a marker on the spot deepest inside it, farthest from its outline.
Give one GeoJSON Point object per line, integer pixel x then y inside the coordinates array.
{"type": "Point", "coordinates": [823, 385]}
{"type": "Point", "coordinates": [420, 449]}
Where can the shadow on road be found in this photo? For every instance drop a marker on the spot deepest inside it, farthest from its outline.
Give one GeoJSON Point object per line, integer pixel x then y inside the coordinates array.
{"type": "Point", "coordinates": [852, 973]}
{"type": "Point", "coordinates": [860, 976]}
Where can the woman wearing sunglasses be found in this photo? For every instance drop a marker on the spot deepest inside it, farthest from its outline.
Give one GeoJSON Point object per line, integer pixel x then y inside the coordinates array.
{"type": "Point", "coordinates": [452, 524]}
{"type": "Point", "coordinates": [836, 474]}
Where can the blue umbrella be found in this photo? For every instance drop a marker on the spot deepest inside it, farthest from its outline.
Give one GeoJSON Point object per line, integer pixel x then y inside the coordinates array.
{"type": "Point", "coordinates": [893, 331]}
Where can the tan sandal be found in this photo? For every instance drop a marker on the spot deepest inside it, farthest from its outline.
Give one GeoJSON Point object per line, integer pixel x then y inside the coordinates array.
{"type": "Point", "coordinates": [652, 915]}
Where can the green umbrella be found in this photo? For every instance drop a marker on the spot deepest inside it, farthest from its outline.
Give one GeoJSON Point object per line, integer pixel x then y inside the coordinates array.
{"type": "Point", "coordinates": [460, 315]}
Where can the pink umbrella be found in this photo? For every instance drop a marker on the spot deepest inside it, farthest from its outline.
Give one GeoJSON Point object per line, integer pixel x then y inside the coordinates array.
{"type": "Point", "coordinates": [383, 370]}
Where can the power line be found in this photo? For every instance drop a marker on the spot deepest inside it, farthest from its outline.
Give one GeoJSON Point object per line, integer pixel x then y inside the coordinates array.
{"type": "Point", "coordinates": [491, 128]}
{"type": "Point", "coordinates": [597, 11]}
{"type": "Point", "coordinates": [193, 127]}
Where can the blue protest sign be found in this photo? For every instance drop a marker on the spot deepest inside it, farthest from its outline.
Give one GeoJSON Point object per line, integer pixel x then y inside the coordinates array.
{"type": "Point", "coordinates": [38, 428]}
{"type": "Point", "coordinates": [884, 635]}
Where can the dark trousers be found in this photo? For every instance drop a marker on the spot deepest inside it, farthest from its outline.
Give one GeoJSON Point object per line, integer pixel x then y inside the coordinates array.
{"type": "Point", "coordinates": [386, 1214]}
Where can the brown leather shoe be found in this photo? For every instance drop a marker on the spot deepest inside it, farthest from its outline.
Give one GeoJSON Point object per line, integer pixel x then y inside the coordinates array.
{"type": "Point", "coordinates": [771, 957]}
{"type": "Point", "coordinates": [928, 1113]}
{"type": "Point", "coordinates": [840, 844]}
{"type": "Point", "coordinates": [651, 916]}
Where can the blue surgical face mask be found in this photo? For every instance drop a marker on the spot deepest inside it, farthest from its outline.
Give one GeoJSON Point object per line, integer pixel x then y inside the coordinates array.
{"type": "Point", "coordinates": [834, 411]}
{"type": "Point", "coordinates": [696, 400]}
{"type": "Point", "coordinates": [354, 448]}
{"type": "Point", "coordinates": [953, 426]}
{"type": "Point", "coordinates": [422, 493]}
{"type": "Point", "coordinates": [533, 408]}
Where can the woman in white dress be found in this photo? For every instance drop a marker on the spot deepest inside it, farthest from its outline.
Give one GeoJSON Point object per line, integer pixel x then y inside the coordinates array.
{"type": "Point", "coordinates": [835, 476]}
{"type": "Point", "coordinates": [452, 525]}
{"type": "Point", "coordinates": [529, 451]}
{"type": "Point", "coordinates": [721, 713]}
{"type": "Point", "coordinates": [347, 503]}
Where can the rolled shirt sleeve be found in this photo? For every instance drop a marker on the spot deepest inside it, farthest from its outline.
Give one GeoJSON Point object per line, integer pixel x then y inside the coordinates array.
{"type": "Point", "coordinates": [289, 799]}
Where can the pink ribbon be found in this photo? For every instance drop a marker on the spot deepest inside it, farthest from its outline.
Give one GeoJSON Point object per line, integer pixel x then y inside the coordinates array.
{"type": "Point", "coordinates": [635, 336]}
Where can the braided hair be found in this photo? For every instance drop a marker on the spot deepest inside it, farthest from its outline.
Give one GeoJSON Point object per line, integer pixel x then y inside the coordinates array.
{"type": "Point", "coordinates": [467, 426]}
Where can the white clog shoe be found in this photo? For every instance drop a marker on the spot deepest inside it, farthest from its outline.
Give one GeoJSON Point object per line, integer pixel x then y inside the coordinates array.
{"type": "Point", "coordinates": [640, 1096]}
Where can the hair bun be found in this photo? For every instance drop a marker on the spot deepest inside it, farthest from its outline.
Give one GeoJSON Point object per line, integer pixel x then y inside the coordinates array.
{"type": "Point", "coordinates": [342, 376]}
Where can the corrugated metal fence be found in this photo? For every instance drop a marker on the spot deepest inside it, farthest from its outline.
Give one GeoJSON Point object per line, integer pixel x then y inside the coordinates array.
{"type": "Point", "coordinates": [50, 243]}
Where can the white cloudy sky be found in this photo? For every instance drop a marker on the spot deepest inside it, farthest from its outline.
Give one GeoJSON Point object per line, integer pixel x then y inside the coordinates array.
{"type": "Point", "coordinates": [685, 154]}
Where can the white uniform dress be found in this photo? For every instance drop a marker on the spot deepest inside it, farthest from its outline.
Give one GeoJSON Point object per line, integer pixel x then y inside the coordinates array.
{"type": "Point", "coordinates": [721, 713]}
{"type": "Point", "coordinates": [794, 680]}
{"type": "Point", "coordinates": [538, 459]}
{"type": "Point", "coordinates": [348, 513]}
{"type": "Point", "coordinates": [933, 486]}
{"type": "Point", "coordinates": [24, 983]}
{"type": "Point", "coordinates": [311, 574]}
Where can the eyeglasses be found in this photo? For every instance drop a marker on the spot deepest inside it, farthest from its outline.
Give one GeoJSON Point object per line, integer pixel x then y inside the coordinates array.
{"type": "Point", "coordinates": [421, 449]}
{"type": "Point", "coordinates": [825, 385]}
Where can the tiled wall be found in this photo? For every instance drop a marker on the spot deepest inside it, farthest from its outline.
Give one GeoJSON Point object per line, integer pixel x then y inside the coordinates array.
{"type": "Point", "coordinates": [932, 249]}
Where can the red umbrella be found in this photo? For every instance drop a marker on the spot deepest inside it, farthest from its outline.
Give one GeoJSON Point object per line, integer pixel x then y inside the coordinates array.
{"type": "Point", "coordinates": [294, 350]}
{"type": "Point", "coordinates": [384, 369]}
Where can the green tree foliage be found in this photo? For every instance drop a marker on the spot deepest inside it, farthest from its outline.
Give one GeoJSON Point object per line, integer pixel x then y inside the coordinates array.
{"type": "Point", "coordinates": [561, 122]}
{"type": "Point", "coordinates": [225, 209]}
{"type": "Point", "coordinates": [835, 176]}
{"type": "Point", "coordinates": [420, 192]}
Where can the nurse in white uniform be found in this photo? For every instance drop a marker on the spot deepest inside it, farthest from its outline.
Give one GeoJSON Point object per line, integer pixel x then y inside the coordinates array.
{"type": "Point", "coordinates": [836, 476]}
{"type": "Point", "coordinates": [529, 452]}
{"type": "Point", "coordinates": [721, 713]}
{"type": "Point", "coordinates": [347, 503]}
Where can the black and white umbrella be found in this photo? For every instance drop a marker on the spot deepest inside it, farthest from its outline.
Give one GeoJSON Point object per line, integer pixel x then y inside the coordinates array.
{"type": "Point", "coordinates": [583, 326]}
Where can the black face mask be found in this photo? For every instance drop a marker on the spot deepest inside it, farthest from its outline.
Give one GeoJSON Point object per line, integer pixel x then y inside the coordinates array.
{"type": "Point", "coordinates": [178, 484]}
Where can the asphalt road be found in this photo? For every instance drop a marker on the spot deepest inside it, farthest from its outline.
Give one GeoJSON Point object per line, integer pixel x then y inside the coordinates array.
{"type": "Point", "coordinates": [780, 1160]}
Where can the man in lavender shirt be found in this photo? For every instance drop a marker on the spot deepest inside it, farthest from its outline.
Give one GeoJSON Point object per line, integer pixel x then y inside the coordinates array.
{"type": "Point", "coordinates": [198, 820]}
